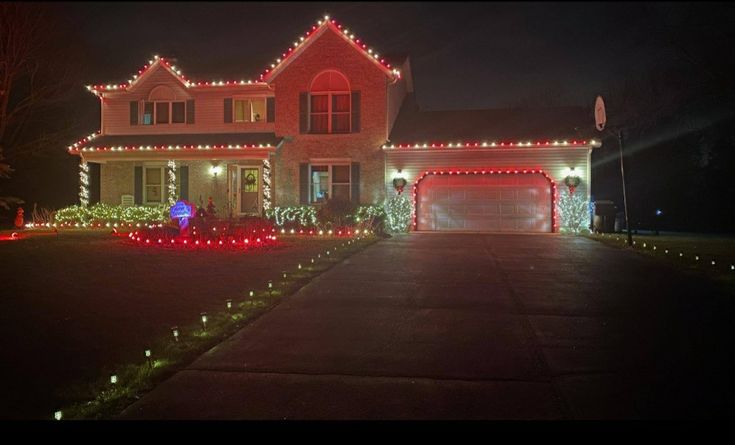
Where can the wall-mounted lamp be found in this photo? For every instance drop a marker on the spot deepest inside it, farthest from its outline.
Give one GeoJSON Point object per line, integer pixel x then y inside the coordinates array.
{"type": "Point", "coordinates": [215, 170]}
{"type": "Point", "coordinates": [572, 180]}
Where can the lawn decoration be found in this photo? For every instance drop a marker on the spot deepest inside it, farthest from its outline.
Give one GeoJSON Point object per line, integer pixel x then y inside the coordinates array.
{"type": "Point", "coordinates": [211, 209]}
{"type": "Point", "coordinates": [19, 218]}
{"type": "Point", "coordinates": [183, 211]}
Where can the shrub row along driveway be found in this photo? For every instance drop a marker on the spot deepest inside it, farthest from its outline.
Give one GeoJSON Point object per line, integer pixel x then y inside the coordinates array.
{"type": "Point", "coordinates": [473, 326]}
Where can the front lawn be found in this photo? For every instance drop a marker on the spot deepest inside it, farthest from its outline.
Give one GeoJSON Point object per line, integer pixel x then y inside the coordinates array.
{"type": "Point", "coordinates": [694, 253]}
{"type": "Point", "coordinates": [76, 305]}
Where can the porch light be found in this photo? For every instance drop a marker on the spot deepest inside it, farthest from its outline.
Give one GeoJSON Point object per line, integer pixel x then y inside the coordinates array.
{"type": "Point", "coordinates": [215, 170]}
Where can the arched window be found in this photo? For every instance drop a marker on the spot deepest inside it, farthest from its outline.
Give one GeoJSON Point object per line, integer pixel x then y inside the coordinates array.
{"type": "Point", "coordinates": [330, 103]}
{"type": "Point", "coordinates": [163, 108]}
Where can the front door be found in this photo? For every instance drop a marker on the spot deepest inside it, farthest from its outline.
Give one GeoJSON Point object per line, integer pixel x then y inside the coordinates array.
{"type": "Point", "coordinates": [248, 193]}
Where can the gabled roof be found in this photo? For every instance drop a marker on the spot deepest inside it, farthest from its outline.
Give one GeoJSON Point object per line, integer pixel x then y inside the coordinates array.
{"type": "Point", "coordinates": [509, 125]}
{"type": "Point", "coordinates": [303, 42]}
{"type": "Point", "coordinates": [299, 45]}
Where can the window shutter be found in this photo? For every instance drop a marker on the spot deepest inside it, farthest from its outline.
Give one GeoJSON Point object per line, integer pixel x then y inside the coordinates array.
{"type": "Point", "coordinates": [184, 182]}
{"type": "Point", "coordinates": [304, 183]}
{"type": "Point", "coordinates": [138, 185]}
{"type": "Point", "coordinates": [355, 112]}
{"type": "Point", "coordinates": [355, 182]}
{"type": "Point", "coordinates": [303, 112]}
{"type": "Point", "coordinates": [190, 111]}
{"type": "Point", "coordinates": [271, 109]}
{"type": "Point", "coordinates": [228, 110]}
{"type": "Point", "coordinates": [133, 112]}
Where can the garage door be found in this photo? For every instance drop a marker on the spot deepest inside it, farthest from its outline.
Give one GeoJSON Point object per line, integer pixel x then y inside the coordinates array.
{"type": "Point", "coordinates": [497, 203]}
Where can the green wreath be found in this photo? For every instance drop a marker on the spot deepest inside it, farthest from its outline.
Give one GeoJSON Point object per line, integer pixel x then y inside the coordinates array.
{"type": "Point", "coordinates": [250, 179]}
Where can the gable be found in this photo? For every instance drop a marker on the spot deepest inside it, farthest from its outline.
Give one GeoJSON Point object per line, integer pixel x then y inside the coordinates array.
{"type": "Point", "coordinates": [326, 29]}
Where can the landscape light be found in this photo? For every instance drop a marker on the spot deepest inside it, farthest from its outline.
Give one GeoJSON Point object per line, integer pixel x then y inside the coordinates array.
{"type": "Point", "coordinates": [204, 321]}
{"type": "Point", "coordinates": [148, 357]}
{"type": "Point", "coordinates": [175, 331]}
{"type": "Point", "coordinates": [229, 304]}
{"type": "Point", "coordinates": [113, 379]}
{"type": "Point", "coordinates": [251, 294]}
{"type": "Point", "coordinates": [284, 274]}
{"type": "Point", "coordinates": [312, 261]}
{"type": "Point", "coordinates": [299, 266]}
{"type": "Point", "coordinates": [58, 415]}
{"type": "Point", "coordinates": [713, 262]}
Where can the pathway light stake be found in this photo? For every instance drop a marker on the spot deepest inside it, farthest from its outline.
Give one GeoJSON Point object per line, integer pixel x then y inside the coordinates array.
{"type": "Point", "coordinates": [204, 321]}
{"type": "Point", "coordinates": [312, 261]}
{"type": "Point", "coordinates": [113, 379]}
{"type": "Point", "coordinates": [251, 294]}
{"type": "Point", "coordinates": [58, 415]}
{"type": "Point", "coordinates": [229, 304]}
{"type": "Point", "coordinates": [284, 274]}
{"type": "Point", "coordinates": [299, 266]}
{"type": "Point", "coordinates": [148, 357]}
{"type": "Point", "coordinates": [270, 288]}
{"type": "Point", "coordinates": [175, 331]}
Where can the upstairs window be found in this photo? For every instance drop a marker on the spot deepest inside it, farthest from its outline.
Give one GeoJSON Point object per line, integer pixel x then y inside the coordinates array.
{"type": "Point", "coordinates": [164, 113]}
{"type": "Point", "coordinates": [330, 104]}
{"type": "Point", "coordinates": [249, 110]}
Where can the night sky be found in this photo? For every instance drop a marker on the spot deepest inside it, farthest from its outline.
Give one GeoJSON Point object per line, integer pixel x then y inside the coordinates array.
{"type": "Point", "coordinates": [463, 55]}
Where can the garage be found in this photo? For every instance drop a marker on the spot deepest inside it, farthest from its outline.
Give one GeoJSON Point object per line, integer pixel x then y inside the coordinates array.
{"type": "Point", "coordinates": [497, 202]}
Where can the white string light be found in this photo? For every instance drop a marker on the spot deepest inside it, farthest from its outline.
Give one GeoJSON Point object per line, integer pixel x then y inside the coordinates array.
{"type": "Point", "coordinates": [84, 184]}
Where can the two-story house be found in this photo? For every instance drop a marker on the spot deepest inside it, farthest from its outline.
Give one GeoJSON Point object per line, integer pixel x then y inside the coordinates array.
{"type": "Point", "coordinates": [331, 118]}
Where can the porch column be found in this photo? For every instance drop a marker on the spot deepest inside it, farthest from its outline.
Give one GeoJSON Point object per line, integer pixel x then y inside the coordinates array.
{"type": "Point", "coordinates": [83, 183]}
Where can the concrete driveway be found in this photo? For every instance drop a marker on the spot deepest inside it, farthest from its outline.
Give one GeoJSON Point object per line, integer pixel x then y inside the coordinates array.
{"type": "Point", "coordinates": [472, 326]}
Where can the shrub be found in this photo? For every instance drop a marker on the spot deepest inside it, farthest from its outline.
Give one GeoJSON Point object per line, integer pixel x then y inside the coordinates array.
{"type": "Point", "coordinates": [335, 213]}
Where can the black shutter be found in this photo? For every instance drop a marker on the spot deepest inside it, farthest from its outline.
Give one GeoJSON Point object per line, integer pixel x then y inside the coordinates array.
{"type": "Point", "coordinates": [94, 183]}
{"type": "Point", "coordinates": [271, 109]}
{"type": "Point", "coordinates": [139, 185]}
{"type": "Point", "coordinates": [303, 183]}
{"type": "Point", "coordinates": [355, 112]}
{"type": "Point", "coordinates": [303, 112]}
{"type": "Point", "coordinates": [133, 112]}
{"type": "Point", "coordinates": [228, 110]}
{"type": "Point", "coordinates": [355, 182]}
{"type": "Point", "coordinates": [184, 182]}
{"type": "Point", "coordinates": [190, 111]}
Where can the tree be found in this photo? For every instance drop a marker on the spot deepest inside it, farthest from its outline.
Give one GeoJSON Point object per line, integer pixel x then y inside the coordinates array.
{"type": "Point", "coordinates": [34, 80]}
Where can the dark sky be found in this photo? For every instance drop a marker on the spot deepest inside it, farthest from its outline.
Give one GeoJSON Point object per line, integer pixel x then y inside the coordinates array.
{"type": "Point", "coordinates": [464, 55]}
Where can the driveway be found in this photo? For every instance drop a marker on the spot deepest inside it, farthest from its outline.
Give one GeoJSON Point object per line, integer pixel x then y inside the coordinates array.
{"type": "Point", "coordinates": [472, 326]}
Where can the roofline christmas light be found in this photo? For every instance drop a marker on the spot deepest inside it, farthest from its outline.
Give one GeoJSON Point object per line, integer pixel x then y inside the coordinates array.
{"type": "Point", "coordinates": [264, 76]}
{"type": "Point", "coordinates": [494, 144]}
{"type": "Point", "coordinates": [171, 147]}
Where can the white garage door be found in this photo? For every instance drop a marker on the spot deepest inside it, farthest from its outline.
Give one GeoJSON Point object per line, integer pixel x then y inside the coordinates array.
{"type": "Point", "coordinates": [497, 203]}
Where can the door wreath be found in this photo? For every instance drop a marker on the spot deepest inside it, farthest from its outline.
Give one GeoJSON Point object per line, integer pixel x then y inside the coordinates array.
{"type": "Point", "coordinates": [250, 179]}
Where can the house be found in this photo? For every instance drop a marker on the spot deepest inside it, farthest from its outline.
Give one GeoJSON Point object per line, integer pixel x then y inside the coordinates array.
{"type": "Point", "coordinates": [330, 118]}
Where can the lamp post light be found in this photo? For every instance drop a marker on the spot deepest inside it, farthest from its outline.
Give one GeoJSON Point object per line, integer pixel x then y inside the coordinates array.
{"type": "Point", "coordinates": [148, 357]}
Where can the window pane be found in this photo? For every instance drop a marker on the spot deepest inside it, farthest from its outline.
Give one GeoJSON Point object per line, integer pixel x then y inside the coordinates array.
{"type": "Point", "coordinates": [341, 192]}
{"type": "Point", "coordinates": [242, 112]}
{"type": "Point", "coordinates": [341, 174]}
{"type": "Point", "coordinates": [148, 113]}
{"type": "Point", "coordinates": [319, 104]}
{"type": "Point", "coordinates": [341, 102]}
{"type": "Point", "coordinates": [162, 112]}
{"type": "Point", "coordinates": [152, 176]}
{"type": "Point", "coordinates": [153, 193]}
{"type": "Point", "coordinates": [319, 123]}
{"type": "Point", "coordinates": [258, 109]}
{"type": "Point", "coordinates": [178, 114]}
{"type": "Point", "coordinates": [341, 123]}
{"type": "Point", "coordinates": [319, 184]}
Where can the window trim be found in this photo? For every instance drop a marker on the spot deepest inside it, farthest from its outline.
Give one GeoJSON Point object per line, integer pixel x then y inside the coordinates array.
{"type": "Point", "coordinates": [155, 103]}
{"type": "Point", "coordinates": [162, 168]}
{"type": "Point", "coordinates": [330, 114]}
{"type": "Point", "coordinates": [249, 99]}
{"type": "Point", "coordinates": [330, 164]}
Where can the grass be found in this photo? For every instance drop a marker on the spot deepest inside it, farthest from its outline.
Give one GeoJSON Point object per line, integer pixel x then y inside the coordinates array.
{"type": "Point", "coordinates": [713, 256]}
{"type": "Point", "coordinates": [80, 304]}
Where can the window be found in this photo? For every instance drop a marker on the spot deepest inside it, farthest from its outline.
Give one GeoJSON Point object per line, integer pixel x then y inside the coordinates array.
{"type": "Point", "coordinates": [154, 185]}
{"type": "Point", "coordinates": [330, 104]}
{"type": "Point", "coordinates": [249, 110]}
{"type": "Point", "coordinates": [330, 181]}
{"type": "Point", "coordinates": [164, 113]}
